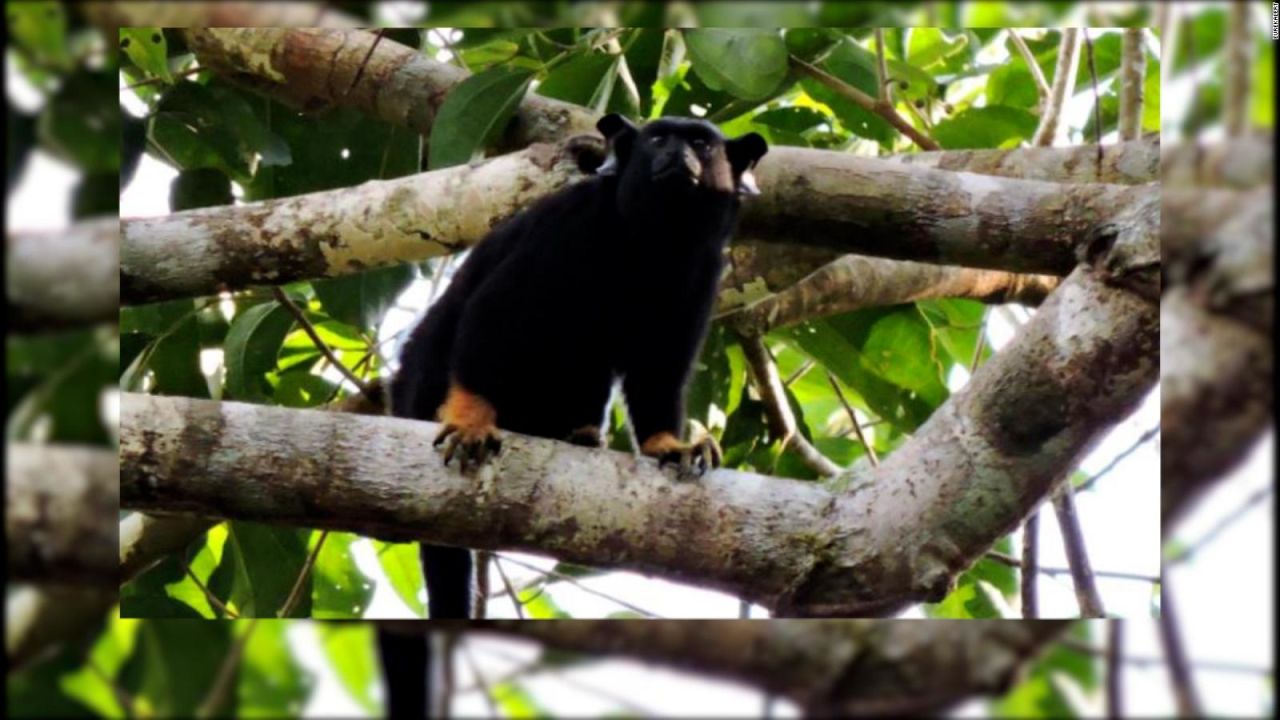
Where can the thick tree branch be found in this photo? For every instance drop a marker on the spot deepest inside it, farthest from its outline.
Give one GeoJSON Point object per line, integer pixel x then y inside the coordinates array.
{"type": "Point", "coordinates": [1216, 348]}
{"type": "Point", "coordinates": [971, 473]}
{"type": "Point", "coordinates": [216, 13]}
{"type": "Point", "coordinates": [1126, 163]}
{"type": "Point", "coordinates": [1243, 163]}
{"type": "Point", "coordinates": [63, 277]}
{"type": "Point", "coordinates": [1064, 81]}
{"type": "Point", "coordinates": [853, 282]}
{"type": "Point", "coordinates": [812, 197]}
{"type": "Point", "coordinates": [1133, 66]}
{"type": "Point", "coordinates": [312, 68]}
{"type": "Point", "coordinates": [830, 668]}
{"type": "Point", "coordinates": [60, 513]}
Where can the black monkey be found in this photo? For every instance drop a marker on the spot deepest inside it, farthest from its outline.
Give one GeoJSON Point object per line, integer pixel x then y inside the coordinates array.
{"type": "Point", "coordinates": [611, 278]}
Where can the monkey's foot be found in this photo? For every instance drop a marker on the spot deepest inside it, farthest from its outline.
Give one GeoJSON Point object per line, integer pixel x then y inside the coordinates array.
{"type": "Point", "coordinates": [587, 436]}
{"type": "Point", "coordinates": [692, 458]}
{"type": "Point", "coordinates": [472, 445]}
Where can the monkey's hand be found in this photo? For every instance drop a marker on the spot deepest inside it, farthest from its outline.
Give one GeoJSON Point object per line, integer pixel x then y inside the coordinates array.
{"type": "Point", "coordinates": [472, 445]}
{"type": "Point", "coordinates": [693, 458]}
{"type": "Point", "coordinates": [469, 431]}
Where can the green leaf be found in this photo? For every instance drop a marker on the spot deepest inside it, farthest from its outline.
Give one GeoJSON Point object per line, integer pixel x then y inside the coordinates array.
{"type": "Point", "coordinates": [474, 114]}
{"type": "Point", "coordinates": [214, 126]}
{"type": "Point", "coordinates": [81, 123]}
{"type": "Point", "coordinates": [91, 684]}
{"type": "Point", "coordinates": [751, 14]}
{"type": "Point", "coordinates": [349, 647]}
{"type": "Point", "coordinates": [928, 45]}
{"type": "Point", "coordinates": [362, 299]}
{"type": "Point", "coordinates": [955, 325]}
{"type": "Point", "coordinates": [1038, 695]}
{"type": "Point", "coordinates": [401, 564]}
{"type": "Point", "coordinates": [811, 44]}
{"type": "Point", "coordinates": [271, 683]}
{"type": "Point", "coordinates": [791, 119]}
{"type": "Point", "coordinates": [1108, 106]}
{"type": "Point", "coordinates": [39, 29]}
{"type": "Point", "coordinates": [202, 187]}
{"type": "Point", "coordinates": [992, 126]}
{"type": "Point", "coordinates": [252, 345]}
{"type": "Point", "coordinates": [270, 560]}
{"type": "Point", "coordinates": [146, 47]}
{"type": "Point", "coordinates": [20, 136]}
{"type": "Point", "coordinates": [339, 589]}
{"type": "Point", "coordinates": [96, 194]}
{"type": "Point", "coordinates": [1263, 112]}
{"type": "Point", "coordinates": [579, 79]}
{"type": "Point", "coordinates": [301, 389]}
{"type": "Point", "coordinates": [750, 63]}
{"type": "Point", "coordinates": [854, 65]}
{"type": "Point", "coordinates": [1199, 38]}
{"type": "Point", "coordinates": [174, 665]}
{"type": "Point", "coordinates": [517, 702]}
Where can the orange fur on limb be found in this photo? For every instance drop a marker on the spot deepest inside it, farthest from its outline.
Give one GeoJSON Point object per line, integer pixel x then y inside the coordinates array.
{"type": "Point", "coordinates": [661, 444]}
{"type": "Point", "coordinates": [470, 413]}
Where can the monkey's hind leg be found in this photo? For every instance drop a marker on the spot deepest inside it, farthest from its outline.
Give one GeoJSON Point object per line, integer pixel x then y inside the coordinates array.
{"type": "Point", "coordinates": [469, 430]}
{"type": "Point", "coordinates": [693, 458]}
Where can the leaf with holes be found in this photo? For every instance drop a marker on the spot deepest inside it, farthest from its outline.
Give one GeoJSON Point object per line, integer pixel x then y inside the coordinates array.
{"type": "Point", "coordinates": [147, 49]}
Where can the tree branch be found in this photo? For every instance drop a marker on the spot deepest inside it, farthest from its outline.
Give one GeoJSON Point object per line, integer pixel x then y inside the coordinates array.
{"type": "Point", "coordinates": [782, 422]}
{"type": "Point", "coordinates": [1133, 66]}
{"type": "Point", "coordinates": [1180, 677]}
{"type": "Point", "coordinates": [1029, 566]}
{"type": "Point", "coordinates": [832, 668]}
{"type": "Point", "coordinates": [1037, 74]}
{"type": "Point", "coordinates": [146, 540]}
{"type": "Point", "coordinates": [1064, 81]}
{"type": "Point", "coordinates": [866, 102]}
{"type": "Point", "coordinates": [301, 317]}
{"type": "Point", "coordinates": [1064, 507]}
{"type": "Point", "coordinates": [64, 277]}
{"type": "Point", "coordinates": [1239, 64]}
{"type": "Point", "coordinates": [1027, 414]}
{"type": "Point", "coordinates": [60, 509]}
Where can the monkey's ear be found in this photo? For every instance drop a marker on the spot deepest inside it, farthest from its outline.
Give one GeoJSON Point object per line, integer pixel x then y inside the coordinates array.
{"type": "Point", "coordinates": [612, 124]}
{"type": "Point", "coordinates": [744, 152]}
{"type": "Point", "coordinates": [618, 133]}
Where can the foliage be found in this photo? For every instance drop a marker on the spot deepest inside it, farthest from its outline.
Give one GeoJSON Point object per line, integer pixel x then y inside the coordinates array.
{"type": "Point", "coordinates": [891, 364]}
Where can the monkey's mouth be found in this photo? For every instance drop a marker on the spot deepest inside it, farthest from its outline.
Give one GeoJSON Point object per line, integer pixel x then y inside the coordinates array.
{"type": "Point", "coordinates": [675, 174]}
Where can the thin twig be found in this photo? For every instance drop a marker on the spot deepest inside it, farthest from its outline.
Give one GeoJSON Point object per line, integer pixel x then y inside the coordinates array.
{"type": "Point", "coordinates": [574, 581]}
{"type": "Point", "coordinates": [1235, 91]}
{"type": "Point", "coordinates": [1097, 103]}
{"type": "Point", "coordinates": [515, 597]}
{"type": "Point", "coordinates": [208, 594]}
{"type": "Point", "coordinates": [1133, 66]}
{"type": "Point", "coordinates": [1142, 440]}
{"type": "Point", "coordinates": [485, 689]}
{"type": "Point", "coordinates": [981, 343]}
{"type": "Point", "coordinates": [1011, 561]}
{"type": "Point", "coordinates": [480, 601]}
{"type": "Point", "coordinates": [222, 683]}
{"type": "Point", "coordinates": [296, 591]}
{"type": "Point", "coordinates": [157, 78]}
{"type": "Point", "coordinates": [782, 421]}
{"type": "Point", "coordinates": [866, 102]}
{"type": "Point", "coordinates": [1256, 497]}
{"type": "Point", "coordinates": [448, 681]}
{"type": "Point", "coordinates": [1064, 79]}
{"type": "Point", "coordinates": [1150, 661]}
{"type": "Point", "coordinates": [882, 69]}
{"type": "Point", "coordinates": [122, 696]}
{"type": "Point", "coordinates": [798, 373]}
{"type": "Point", "coordinates": [853, 418]}
{"type": "Point", "coordinates": [283, 298]}
{"type": "Point", "coordinates": [377, 38]}
{"type": "Point", "coordinates": [1037, 73]}
{"type": "Point", "coordinates": [1115, 651]}
{"type": "Point", "coordinates": [1087, 596]}
{"type": "Point", "coordinates": [1175, 655]}
{"type": "Point", "coordinates": [1030, 566]}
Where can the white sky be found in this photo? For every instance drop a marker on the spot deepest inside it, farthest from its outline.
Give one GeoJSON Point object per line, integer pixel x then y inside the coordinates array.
{"type": "Point", "coordinates": [1120, 520]}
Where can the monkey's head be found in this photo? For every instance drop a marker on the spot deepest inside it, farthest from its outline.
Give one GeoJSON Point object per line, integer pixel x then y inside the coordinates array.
{"type": "Point", "coordinates": [678, 157]}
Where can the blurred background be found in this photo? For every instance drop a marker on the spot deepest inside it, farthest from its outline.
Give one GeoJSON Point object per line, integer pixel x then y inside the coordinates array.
{"type": "Point", "coordinates": [87, 104]}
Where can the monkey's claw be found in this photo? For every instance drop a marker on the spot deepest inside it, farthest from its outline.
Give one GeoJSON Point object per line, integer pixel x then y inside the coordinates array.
{"type": "Point", "coordinates": [695, 458]}
{"type": "Point", "coordinates": [473, 446]}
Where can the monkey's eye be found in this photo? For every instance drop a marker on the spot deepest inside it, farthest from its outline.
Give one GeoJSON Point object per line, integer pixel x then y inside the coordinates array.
{"type": "Point", "coordinates": [656, 139]}
{"type": "Point", "coordinates": [699, 146]}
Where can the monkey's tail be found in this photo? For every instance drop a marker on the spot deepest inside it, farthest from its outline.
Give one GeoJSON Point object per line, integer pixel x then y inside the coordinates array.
{"type": "Point", "coordinates": [448, 572]}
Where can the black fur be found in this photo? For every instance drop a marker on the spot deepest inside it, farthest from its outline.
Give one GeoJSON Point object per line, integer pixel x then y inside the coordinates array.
{"type": "Point", "coordinates": [613, 277]}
